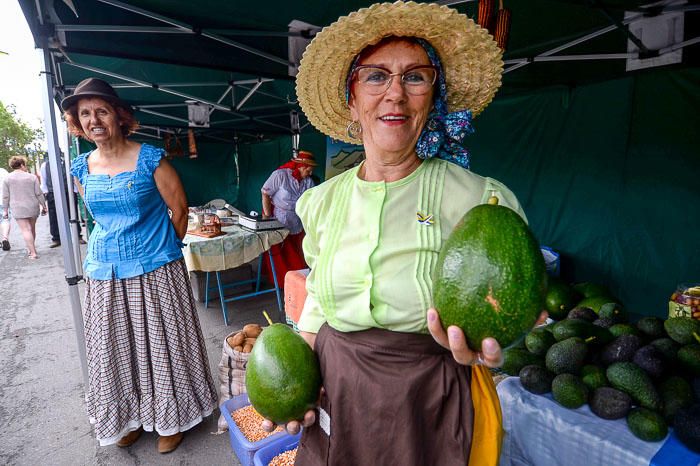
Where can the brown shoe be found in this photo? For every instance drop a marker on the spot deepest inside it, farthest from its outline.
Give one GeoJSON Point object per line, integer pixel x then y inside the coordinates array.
{"type": "Point", "coordinates": [168, 443]}
{"type": "Point", "coordinates": [130, 438]}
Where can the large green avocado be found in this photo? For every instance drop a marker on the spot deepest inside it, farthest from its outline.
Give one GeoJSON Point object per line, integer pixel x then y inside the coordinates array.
{"type": "Point", "coordinates": [490, 278]}
{"type": "Point", "coordinates": [282, 376]}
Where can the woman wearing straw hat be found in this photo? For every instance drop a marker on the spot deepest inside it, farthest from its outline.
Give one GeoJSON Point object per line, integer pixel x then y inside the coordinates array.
{"type": "Point", "coordinates": [404, 80]}
{"type": "Point", "coordinates": [147, 362]}
{"type": "Point", "coordinates": [279, 198]}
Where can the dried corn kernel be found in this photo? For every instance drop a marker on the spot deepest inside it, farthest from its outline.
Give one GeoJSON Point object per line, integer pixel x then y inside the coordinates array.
{"type": "Point", "coordinates": [249, 422]}
{"type": "Point", "coordinates": [284, 459]}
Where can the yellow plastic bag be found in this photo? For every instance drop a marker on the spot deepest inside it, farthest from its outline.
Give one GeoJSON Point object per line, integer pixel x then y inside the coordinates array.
{"type": "Point", "coordinates": [488, 420]}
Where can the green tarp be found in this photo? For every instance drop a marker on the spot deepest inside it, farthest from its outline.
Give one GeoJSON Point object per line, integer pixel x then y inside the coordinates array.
{"type": "Point", "coordinates": [609, 175]}
{"type": "Point", "coordinates": [259, 160]}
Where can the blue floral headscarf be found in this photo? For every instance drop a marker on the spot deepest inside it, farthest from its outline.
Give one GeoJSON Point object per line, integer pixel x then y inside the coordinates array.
{"type": "Point", "coordinates": [444, 131]}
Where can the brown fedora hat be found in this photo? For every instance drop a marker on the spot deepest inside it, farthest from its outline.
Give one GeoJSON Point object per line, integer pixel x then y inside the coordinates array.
{"type": "Point", "coordinates": [94, 87]}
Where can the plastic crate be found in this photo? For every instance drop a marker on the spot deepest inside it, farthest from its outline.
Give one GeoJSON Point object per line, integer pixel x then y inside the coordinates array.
{"type": "Point", "coordinates": [244, 449]}
{"type": "Point", "coordinates": [286, 443]}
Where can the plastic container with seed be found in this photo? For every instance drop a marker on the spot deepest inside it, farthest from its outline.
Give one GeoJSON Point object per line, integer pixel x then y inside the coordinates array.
{"type": "Point", "coordinates": [274, 450]}
{"type": "Point", "coordinates": [247, 438]}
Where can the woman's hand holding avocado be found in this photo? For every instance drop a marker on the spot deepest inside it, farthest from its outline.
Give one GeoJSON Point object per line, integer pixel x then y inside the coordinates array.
{"type": "Point", "coordinates": [453, 339]}
{"type": "Point", "coordinates": [293, 427]}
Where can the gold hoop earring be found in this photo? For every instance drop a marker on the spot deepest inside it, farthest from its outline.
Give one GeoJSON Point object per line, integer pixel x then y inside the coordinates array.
{"type": "Point", "coordinates": [354, 131]}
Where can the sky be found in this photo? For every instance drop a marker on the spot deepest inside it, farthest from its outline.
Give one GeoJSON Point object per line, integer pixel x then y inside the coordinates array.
{"type": "Point", "coordinates": [20, 81]}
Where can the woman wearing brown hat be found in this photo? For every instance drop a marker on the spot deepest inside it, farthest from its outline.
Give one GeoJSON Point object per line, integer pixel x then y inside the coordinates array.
{"type": "Point", "coordinates": [147, 362]}
{"type": "Point", "coordinates": [404, 80]}
{"type": "Point", "coordinates": [279, 198]}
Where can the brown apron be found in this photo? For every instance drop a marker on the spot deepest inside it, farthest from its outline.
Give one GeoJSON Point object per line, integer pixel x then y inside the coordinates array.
{"type": "Point", "coordinates": [390, 399]}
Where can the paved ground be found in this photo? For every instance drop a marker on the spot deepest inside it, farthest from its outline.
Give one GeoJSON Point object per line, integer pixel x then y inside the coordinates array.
{"type": "Point", "coordinates": [42, 414]}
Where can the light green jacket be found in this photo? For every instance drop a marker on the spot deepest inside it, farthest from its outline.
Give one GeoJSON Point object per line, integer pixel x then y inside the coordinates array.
{"type": "Point", "coordinates": [372, 246]}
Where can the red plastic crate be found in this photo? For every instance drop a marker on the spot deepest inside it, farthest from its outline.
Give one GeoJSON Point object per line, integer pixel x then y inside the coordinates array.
{"type": "Point", "coordinates": [295, 293]}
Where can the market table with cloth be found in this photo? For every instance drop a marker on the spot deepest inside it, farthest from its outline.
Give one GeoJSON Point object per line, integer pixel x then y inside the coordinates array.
{"type": "Point", "coordinates": [236, 247]}
{"type": "Point", "coordinates": [541, 432]}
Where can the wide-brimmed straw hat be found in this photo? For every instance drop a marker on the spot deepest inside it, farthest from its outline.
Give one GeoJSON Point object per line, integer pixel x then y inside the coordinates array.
{"type": "Point", "coordinates": [306, 157]}
{"type": "Point", "coordinates": [469, 55]}
{"type": "Point", "coordinates": [94, 87]}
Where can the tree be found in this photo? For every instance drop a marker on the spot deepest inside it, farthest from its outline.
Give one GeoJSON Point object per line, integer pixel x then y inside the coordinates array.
{"type": "Point", "coordinates": [17, 137]}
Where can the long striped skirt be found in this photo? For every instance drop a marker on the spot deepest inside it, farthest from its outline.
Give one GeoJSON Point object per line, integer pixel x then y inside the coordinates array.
{"type": "Point", "coordinates": [147, 362]}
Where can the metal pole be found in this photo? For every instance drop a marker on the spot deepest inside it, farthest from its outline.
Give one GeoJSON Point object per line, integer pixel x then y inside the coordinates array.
{"type": "Point", "coordinates": [146, 135]}
{"type": "Point", "coordinates": [598, 56]}
{"type": "Point", "coordinates": [162, 115]}
{"type": "Point", "coordinates": [61, 206]}
{"type": "Point", "coordinates": [73, 209]}
{"type": "Point", "coordinates": [186, 84]}
{"type": "Point", "coordinates": [76, 142]}
{"type": "Point", "coordinates": [249, 95]}
{"type": "Point", "coordinates": [674, 47]}
{"type": "Point", "coordinates": [260, 120]}
{"type": "Point", "coordinates": [175, 30]}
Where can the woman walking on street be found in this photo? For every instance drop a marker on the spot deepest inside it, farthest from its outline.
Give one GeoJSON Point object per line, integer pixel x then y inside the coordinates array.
{"type": "Point", "coordinates": [147, 362]}
{"type": "Point", "coordinates": [22, 194]}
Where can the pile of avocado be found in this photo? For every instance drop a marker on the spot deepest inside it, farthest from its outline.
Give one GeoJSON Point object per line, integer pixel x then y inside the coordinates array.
{"type": "Point", "coordinates": [647, 371]}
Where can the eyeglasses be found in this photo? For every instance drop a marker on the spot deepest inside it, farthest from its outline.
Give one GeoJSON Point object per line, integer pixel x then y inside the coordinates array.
{"type": "Point", "coordinates": [376, 80]}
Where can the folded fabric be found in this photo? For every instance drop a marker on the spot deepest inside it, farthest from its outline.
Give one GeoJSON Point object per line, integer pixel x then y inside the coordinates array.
{"type": "Point", "coordinates": [488, 431]}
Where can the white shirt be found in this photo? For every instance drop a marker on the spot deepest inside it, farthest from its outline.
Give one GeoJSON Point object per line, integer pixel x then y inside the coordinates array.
{"type": "Point", "coordinates": [284, 190]}
{"type": "Point", "coordinates": [42, 171]}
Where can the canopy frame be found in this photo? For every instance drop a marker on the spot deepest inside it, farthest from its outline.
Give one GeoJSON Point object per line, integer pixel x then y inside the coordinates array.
{"type": "Point", "coordinates": [177, 30]}
{"type": "Point", "coordinates": [197, 31]}
{"type": "Point", "coordinates": [643, 52]}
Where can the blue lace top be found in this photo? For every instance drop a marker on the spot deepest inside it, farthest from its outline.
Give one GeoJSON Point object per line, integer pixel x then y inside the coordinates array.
{"type": "Point", "coordinates": [133, 234]}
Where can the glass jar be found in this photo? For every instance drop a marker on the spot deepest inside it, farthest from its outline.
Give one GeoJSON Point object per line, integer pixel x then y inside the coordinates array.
{"type": "Point", "coordinates": [685, 302]}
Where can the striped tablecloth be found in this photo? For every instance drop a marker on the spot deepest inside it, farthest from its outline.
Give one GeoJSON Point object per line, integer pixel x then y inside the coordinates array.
{"type": "Point", "coordinates": [236, 248]}
{"type": "Point", "coordinates": [540, 432]}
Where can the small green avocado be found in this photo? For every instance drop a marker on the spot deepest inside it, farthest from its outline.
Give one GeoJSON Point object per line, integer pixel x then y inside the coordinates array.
{"type": "Point", "coordinates": [647, 425]}
{"type": "Point", "coordinates": [569, 391]}
{"type": "Point", "coordinates": [283, 378]}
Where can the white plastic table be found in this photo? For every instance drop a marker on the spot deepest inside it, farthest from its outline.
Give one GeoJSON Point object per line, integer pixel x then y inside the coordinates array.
{"type": "Point", "coordinates": [541, 432]}
{"type": "Point", "coordinates": [237, 247]}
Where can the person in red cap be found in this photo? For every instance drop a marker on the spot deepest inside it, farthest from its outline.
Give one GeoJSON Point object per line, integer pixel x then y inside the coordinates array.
{"type": "Point", "coordinates": [279, 198]}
